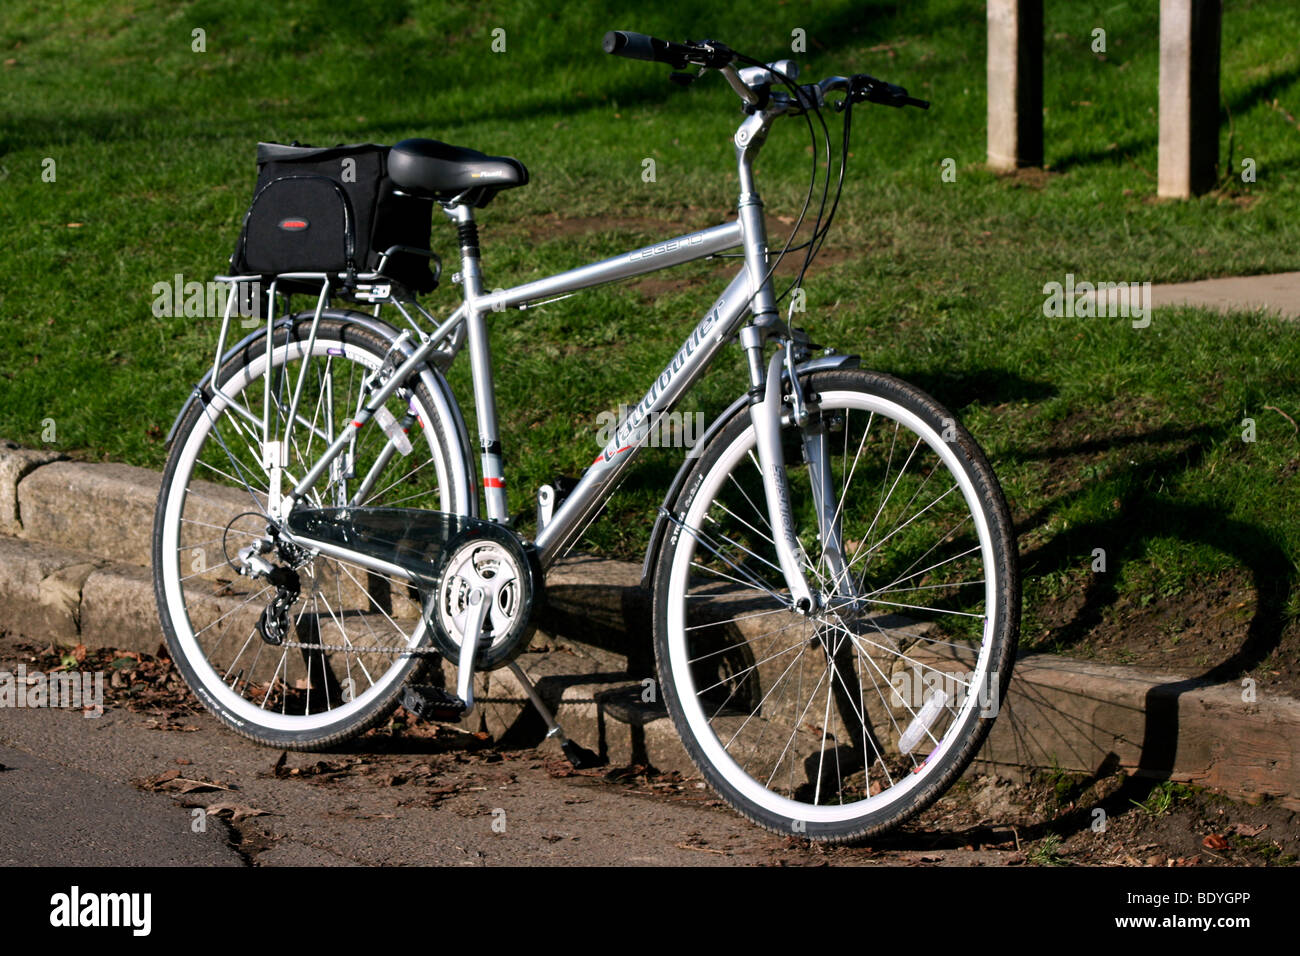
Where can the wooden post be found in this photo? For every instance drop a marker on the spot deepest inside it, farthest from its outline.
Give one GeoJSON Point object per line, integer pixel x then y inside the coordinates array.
{"type": "Point", "coordinates": [1189, 97]}
{"type": "Point", "coordinates": [1015, 83]}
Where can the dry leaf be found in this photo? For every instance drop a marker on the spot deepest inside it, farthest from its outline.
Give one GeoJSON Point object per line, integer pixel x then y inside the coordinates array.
{"type": "Point", "coordinates": [1214, 842]}
{"type": "Point", "coordinates": [155, 783]}
{"type": "Point", "coordinates": [186, 785]}
{"type": "Point", "coordinates": [237, 811]}
{"type": "Point", "coordinates": [1247, 830]}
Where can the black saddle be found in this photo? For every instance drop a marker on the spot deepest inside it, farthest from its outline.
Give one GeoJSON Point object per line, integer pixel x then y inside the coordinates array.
{"type": "Point", "coordinates": [426, 167]}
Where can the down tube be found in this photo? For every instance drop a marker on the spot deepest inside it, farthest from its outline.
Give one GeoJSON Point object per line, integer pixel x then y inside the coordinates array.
{"type": "Point", "coordinates": [718, 325]}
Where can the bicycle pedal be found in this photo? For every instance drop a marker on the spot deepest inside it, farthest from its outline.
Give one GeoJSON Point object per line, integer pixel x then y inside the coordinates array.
{"type": "Point", "coordinates": [579, 756]}
{"type": "Point", "coordinates": [432, 703]}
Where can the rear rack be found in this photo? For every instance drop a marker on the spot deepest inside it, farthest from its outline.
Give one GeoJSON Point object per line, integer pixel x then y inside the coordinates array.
{"type": "Point", "coordinates": [372, 288]}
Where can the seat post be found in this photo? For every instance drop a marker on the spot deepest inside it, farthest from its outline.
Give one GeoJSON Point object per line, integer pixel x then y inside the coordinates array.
{"type": "Point", "coordinates": [480, 358]}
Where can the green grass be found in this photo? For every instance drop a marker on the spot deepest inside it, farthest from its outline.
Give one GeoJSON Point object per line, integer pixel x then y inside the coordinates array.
{"type": "Point", "coordinates": [1163, 797]}
{"type": "Point", "coordinates": [1047, 851]}
{"type": "Point", "coordinates": [1104, 435]}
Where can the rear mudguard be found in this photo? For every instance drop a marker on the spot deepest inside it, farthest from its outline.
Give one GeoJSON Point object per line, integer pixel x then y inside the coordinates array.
{"type": "Point", "coordinates": [461, 464]}
{"type": "Point", "coordinates": [820, 364]}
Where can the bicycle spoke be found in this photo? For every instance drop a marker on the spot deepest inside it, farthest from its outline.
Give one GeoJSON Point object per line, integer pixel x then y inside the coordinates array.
{"type": "Point", "coordinates": [341, 626]}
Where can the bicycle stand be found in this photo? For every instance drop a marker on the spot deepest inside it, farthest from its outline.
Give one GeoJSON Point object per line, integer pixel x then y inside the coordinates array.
{"type": "Point", "coordinates": [428, 702]}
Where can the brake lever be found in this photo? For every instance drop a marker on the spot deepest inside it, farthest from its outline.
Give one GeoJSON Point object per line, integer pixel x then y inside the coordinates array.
{"type": "Point", "coordinates": [872, 90]}
{"type": "Point", "coordinates": [710, 54]}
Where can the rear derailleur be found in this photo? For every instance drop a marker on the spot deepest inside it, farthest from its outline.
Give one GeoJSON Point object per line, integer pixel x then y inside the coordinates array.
{"type": "Point", "coordinates": [273, 623]}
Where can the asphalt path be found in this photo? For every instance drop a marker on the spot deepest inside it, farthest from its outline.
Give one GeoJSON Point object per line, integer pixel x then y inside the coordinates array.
{"type": "Point", "coordinates": [118, 790]}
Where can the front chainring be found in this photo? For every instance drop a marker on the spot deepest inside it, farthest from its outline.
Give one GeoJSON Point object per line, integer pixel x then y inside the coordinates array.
{"type": "Point", "coordinates": [493, 558]}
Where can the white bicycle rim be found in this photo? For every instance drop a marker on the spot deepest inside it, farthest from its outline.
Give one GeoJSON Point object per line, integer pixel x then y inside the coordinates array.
{"type": "Point", "coordinates": [236, 707]}
{"type": "Point", "coordinates": [700, 726]}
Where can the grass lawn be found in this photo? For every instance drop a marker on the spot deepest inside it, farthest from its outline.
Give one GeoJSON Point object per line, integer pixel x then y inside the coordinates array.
{"type": "Point", "coordinates": [1105, 436]}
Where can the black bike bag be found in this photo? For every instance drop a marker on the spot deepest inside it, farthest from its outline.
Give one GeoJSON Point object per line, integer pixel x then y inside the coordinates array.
{"type": "Point", "coordinates": [332, 210]}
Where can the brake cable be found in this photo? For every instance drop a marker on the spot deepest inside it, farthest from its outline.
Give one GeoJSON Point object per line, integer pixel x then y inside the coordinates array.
{"type": "Point", "coordinates": [811, 183]}
{"type": "Point", "coordinates": [820, 229]}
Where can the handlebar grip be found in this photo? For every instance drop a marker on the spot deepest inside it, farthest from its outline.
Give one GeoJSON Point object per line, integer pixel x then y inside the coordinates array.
{"type": "Point", "coordinates": [640, 46]}
{"type": "Point", "coordinates": [872, 90]}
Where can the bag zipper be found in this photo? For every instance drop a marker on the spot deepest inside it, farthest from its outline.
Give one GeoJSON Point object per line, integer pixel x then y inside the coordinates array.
{"type": "Point", "coordinates": [349, 228]}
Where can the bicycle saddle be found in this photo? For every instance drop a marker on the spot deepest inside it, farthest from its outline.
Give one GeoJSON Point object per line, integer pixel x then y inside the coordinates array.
{"type": "Point", "coordinates": [426, 167]}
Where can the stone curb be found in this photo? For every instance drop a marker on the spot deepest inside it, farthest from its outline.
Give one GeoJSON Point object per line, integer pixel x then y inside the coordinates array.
{"type": "Point", "coordinates": [77, 571]}
{"type": "Point", "coordinates": [15, 464]}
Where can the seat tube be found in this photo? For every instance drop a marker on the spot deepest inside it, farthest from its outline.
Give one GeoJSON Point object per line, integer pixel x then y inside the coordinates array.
{"type": "Point", "coordinates": [480, 357]}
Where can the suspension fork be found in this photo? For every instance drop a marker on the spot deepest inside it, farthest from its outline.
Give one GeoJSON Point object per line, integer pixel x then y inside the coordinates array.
{"type": "Point", "coordinates": [765, 412]}
{"type": "Point", "coordinates": [817, 452]}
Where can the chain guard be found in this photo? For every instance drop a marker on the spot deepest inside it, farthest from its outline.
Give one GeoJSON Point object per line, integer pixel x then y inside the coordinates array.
{"type": "Point", "coordinates": [433, 548]}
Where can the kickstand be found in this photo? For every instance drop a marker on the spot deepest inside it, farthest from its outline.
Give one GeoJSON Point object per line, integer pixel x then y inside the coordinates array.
{"type": "Point", "coordinates": [578, 756]}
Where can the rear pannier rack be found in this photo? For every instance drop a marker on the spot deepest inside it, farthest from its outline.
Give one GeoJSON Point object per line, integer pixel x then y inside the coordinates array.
{"type": "Point", "coordinates": [255, 298]}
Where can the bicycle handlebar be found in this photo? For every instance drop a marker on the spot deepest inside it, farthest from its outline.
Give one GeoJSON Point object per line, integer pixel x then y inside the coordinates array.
{"type": "Point", "coordinates": [641, 46]}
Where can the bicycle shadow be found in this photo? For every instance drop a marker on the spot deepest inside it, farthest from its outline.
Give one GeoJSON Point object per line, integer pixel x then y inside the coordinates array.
{"type": "Point", "coordinates": [1046, 724]}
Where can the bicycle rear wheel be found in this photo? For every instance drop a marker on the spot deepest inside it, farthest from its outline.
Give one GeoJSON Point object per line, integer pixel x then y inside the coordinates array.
{"type": "Point", "coordinates": [369, 630]}
{"type": "Point", "coordinates": [844, 722]}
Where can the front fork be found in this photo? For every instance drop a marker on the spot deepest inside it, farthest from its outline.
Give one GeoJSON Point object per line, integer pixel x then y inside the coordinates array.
{"type": "Point", "coordinates": [766, 412]}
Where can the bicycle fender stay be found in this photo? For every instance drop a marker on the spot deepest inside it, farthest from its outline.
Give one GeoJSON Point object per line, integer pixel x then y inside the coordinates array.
{"type": "Point", "coordinates": [432, 377]}
{"type": "Point", "coordinates": [741, 404]}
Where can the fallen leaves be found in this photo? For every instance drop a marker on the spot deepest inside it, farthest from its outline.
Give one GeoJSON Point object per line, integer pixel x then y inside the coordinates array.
{"type": "Point", "coordinates": [140, 682]}
{"type": "Point", "coordinates": [171, 781]}
{"type": "Point", "coordinates": [235, 811]}
{"type": "Point", "coordinates": [328, 770]}
{"type": "Point", "coordinates": [169, 723]}
{"type": "Point", "coordinates": [1247, 830]}
{"type": "Point", "coordinates": [71, 658]}
{"type": "Point", "coordinates": [1215, 842]}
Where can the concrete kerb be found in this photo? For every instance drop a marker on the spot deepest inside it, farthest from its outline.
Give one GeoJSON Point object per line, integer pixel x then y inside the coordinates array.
{"type": "Point", "coordinates": [15, 464]}
{"type": "Point", "coordinates": [78, 572]}
{"type": "Point", "coordinates": [104, 509]}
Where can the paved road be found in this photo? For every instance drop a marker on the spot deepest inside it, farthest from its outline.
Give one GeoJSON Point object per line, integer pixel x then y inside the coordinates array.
{"type": "Point", "coordinates": [437, 800]}
{"type": "Point", "coordinates": [1278, 293]}
{"type": "Point", "coordinates": [58, 815]}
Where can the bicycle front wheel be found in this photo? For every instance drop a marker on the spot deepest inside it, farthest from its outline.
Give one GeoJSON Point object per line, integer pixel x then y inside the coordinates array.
{"type": "Point", "coordinates": [843, 722]}
{"type": "Point", "coordinates": [344, 638]}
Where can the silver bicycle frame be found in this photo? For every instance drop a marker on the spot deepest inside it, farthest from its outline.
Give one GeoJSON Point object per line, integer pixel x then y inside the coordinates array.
{"type": "Point", "coordinates": [749, 293]}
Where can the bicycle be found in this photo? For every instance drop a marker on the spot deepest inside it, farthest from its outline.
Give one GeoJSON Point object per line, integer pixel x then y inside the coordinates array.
{"type": "Point", "coordinates": [832, 630]}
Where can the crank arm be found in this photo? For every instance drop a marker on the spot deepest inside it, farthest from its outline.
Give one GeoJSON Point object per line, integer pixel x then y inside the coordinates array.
{"type": "Point", "coordinates": [478, 607]}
